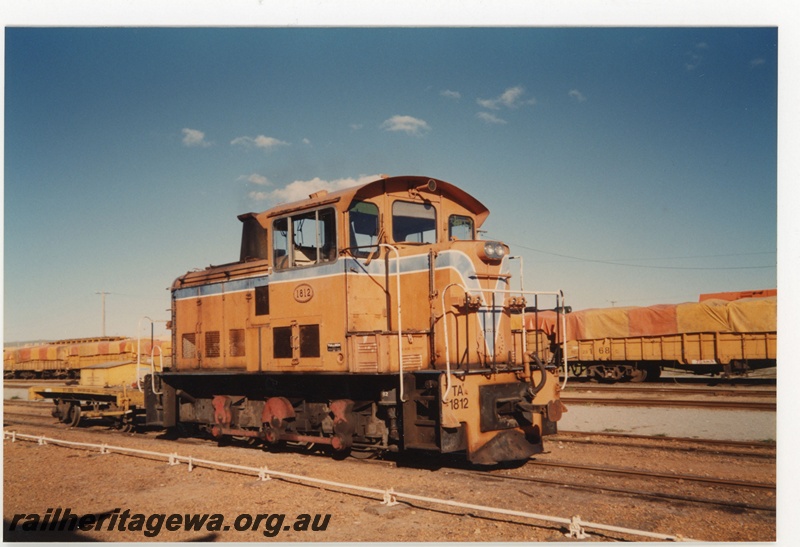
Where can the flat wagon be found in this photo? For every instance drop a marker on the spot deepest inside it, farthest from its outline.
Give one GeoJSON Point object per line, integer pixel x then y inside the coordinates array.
{"type": "Point", "coordinates": [64, 359]}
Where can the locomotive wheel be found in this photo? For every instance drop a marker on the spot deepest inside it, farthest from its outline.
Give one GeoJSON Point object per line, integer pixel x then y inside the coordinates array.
{"type": "Point", "coordinates": [74, 415]}
{"type": "Point", "coordinates": [365, 452]}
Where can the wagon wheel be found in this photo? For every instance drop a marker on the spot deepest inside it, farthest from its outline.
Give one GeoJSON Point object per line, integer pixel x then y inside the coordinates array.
{"type": "Point", "coordinates": [577, 369]}
{"type": "Point", "coordinates": [125, 425]}
{"type": "Point", "coordinates": [75, 415]}
{"type": "Point", "coordinates": [653, 372]}
{"type": "Point", "coordinates": [638, 375]}
{"type": "Point", "coordinates": [64, 409]}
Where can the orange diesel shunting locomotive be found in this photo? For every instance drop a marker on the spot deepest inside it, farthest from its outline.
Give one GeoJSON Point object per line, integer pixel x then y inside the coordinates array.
{"type": "Point", "coordinates": [369, 319]}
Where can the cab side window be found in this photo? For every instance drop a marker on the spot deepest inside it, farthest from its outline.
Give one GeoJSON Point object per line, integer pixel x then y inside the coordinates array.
{"type": "Point", "coordinates": [280, 244]}
{"type": "Point", "coordinates": [364, 228]}
{"type": "Point", "coordinates": [304, 239]}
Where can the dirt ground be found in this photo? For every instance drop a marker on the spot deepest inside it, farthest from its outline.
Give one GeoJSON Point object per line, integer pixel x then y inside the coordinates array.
{"type": "Point", "coordinates": [40, 479]}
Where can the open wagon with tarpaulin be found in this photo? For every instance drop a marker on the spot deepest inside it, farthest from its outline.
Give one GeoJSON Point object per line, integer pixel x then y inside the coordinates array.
{"type": "Point", "coordinates": [635, 343]}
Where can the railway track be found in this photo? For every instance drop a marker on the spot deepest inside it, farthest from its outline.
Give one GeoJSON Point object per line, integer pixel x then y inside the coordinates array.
{"type": "Point", "coordinates": [671, 403]}
{"type": "Point", "coordinates": [565, 436]}
{"type": "Point", "coordinates": [687, 381]}
{"type": "Point", "coordinates": [650, 495]}
{"type": "Point", "coordinates": [733, 483]}
{"type": "Point", "coordinates": [23, 408]}
{"type": "Point", "coordinates": [654, 495]}
{"type": "Point", "coordinates": [635, 483]}
{"type": "Point", "coordinates": [661, 486]}
{"type": "Point", "coordinates": [665, 390]}
{"type": "Point", "coordinates": [671, 490]}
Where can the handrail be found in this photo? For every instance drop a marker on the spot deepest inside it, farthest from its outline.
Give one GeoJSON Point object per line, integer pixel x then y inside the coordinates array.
{"type": "Point", "coordinates": [152, 365]}
{"type": "Point", "coordinates": [139, 352]}
{"type": "Point", "coordinates": [139, 355]}
{"type": "Point", "coordinates": [564, 355]}
{"type": "Point", "coordinates": [559, 305]}
{"type": "Point", "coordinates": [447, 339]}
{"type": "Point", "coordinates": [526, 365]}
{"type": "Point", "coordinates": [399, 316]}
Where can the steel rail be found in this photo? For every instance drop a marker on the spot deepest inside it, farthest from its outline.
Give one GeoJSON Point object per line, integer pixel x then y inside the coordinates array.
{"type": "Point", "coordinates": [723, 442]}
{"type": "Point", "coordinates": [671, 403]}
{"type": "Point", "coordinates": [627, 491]}
{"type": "Point", "coordinates": [726, 392]}
{"type": "Point", "coordinates": [655, 475]}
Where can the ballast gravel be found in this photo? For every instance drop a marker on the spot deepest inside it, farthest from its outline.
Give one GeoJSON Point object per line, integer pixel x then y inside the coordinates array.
{"type": "Point", "coordinates": [41, 479]}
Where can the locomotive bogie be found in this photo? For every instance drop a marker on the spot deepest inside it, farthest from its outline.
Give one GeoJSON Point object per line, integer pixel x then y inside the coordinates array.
{"type": "Point", "coordinates": [339, 410]}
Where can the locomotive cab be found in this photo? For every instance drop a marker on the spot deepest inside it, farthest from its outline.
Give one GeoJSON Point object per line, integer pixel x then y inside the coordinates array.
{"type": "Point", "coordinates": [365, 319]}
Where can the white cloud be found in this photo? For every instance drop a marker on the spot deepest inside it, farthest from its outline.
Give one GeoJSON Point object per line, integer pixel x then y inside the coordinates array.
{"type": "Point", "coordinates": [255, 178]}
{"type": "Point", "coordinates": [266, 143]}
{"type": "Point", "coordinates": [300, 189]}
{"type": "Point", "coordinates": [488, 117]}
{"type": "Point", "coordinates": [510, 98]}
{"type": "Point", "coordinates": [258, 196]}
{"type": "Point", "coordinates": [450, 94]}
{"type": "Point", "coordinates": [694, 56]}
{"type": "Point", "coordinates": [356, 126]}
{"type": "Point", "coordinates": [577, 95]}
{"type": "Point", "coordinates": [406, 124]}
{"type": "Point", "coordinates": [693, 62]}
{"type": "Point", "coordinates": [757, 62]}
{"type": "Point", "coordinates": [194, 137]}
{"type": "Point", "coordinates": [306, 141]}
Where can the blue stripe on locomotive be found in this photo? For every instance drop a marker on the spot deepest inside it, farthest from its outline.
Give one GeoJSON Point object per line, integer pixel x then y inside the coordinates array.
{"type": "Point", "coordinates": [488, 316]}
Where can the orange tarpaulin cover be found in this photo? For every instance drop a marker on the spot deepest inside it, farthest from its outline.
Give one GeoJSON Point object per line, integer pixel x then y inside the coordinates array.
{"type": "Point", "coordinates": [754, 315]}
{"type": "Point", "coordinates": [745, 315]}
{"type": "Point", "coordinates": [706, 316]}
{"type": "Point", "coordinates": [661, 319]}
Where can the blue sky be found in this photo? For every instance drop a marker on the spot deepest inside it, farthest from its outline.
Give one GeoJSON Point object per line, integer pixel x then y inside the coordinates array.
{"type": "Point", "coordinates": [628, 166]}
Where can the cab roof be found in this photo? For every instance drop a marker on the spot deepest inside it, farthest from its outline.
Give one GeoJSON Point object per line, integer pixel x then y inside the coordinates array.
{"type": "Point", "coordinates": [344, 198]}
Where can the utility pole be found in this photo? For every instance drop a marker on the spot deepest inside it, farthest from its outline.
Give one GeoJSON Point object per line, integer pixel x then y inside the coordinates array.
{"type": "Point", "coordinates": [103, 294]}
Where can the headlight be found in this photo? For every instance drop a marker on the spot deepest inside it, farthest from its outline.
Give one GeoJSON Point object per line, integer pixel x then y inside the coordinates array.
{"type": "Point", "coordinates": [494, 250]}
